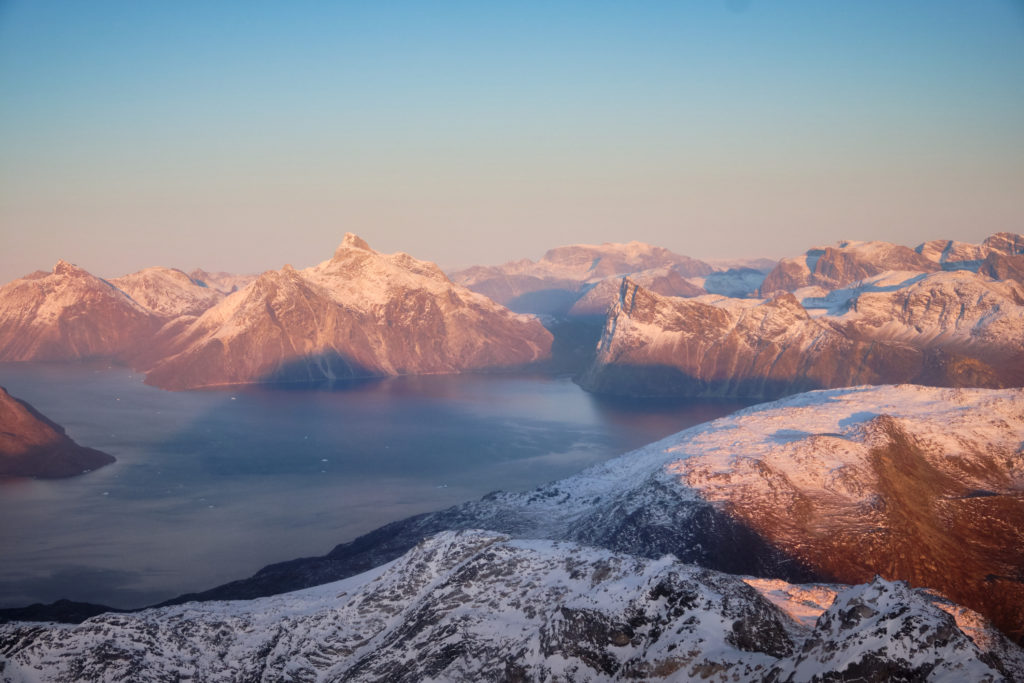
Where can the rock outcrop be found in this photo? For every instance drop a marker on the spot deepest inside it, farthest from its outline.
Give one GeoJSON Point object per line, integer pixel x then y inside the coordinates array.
{"type": "Point", "coordinates": [33, 446]}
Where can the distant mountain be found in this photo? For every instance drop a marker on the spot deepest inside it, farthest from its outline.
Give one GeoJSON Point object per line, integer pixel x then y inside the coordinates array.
{"type": "Point", "coordinates": [33, 446]}
{"type": "Point", "coordinates": [167, 292]}
{"type": "Point", "coordinates": [477, 606]}
{"type": "Point", "coordinates": [225, 283]}
{"type": "Point", "coordinates": [944, 328]}
{"type": "Point", "coordinates": [844, 264]}
{"type": "Point", "coordinates": [359, 314]}
{"type": "Point", "coordinates": [849, 262]}
{"type": "Point", "coordinates": [69, 314]}
{"type": "Point", "coordinates": [665, 280]}
{"type": "Point", "coordinates": [578, 279]}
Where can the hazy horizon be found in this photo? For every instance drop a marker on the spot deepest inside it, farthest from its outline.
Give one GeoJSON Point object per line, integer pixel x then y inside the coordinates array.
{"type": "Point", "coordinates": [243, 137]}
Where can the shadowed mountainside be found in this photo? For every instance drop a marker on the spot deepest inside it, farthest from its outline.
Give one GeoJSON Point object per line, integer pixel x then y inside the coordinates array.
{"type": "Point", "coordinates": [33, 446]}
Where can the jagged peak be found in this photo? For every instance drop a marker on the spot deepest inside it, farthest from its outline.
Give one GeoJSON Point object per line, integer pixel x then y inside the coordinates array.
{"type": "Point", "coordinates": [62, 267]}
{"type": "Point", "coordinates": [352, 241]}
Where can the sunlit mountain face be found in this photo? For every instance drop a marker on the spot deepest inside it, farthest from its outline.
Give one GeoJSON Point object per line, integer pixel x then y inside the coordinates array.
{"type": "Point", "coordinates": [689, 346]}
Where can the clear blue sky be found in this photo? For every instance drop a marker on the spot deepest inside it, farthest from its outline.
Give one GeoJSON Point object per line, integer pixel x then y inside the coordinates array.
{"type": "Point", "coordinates": [243, 135]}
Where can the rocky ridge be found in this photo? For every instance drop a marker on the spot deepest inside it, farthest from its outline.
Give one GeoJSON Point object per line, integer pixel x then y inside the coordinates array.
{"type": "Point", "coordinates": [479, 606]}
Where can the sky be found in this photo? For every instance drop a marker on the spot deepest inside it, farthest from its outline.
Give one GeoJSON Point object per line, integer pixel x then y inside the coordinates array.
{"type": "Point", "coordinates": [241, 136]}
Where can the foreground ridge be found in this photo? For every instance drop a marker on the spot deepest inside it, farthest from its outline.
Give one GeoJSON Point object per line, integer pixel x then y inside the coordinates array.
{"type": "Point", "coordinates": [474, 605]}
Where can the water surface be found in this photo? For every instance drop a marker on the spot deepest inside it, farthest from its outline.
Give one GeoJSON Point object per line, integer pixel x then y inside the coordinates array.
{"type": "Point", "coordinates": [209, 486]}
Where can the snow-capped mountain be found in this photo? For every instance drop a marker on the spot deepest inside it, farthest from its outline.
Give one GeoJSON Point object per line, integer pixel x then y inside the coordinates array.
{"type": "Point", "coordinates": [167, 292]}
{"type": "Point", "coordinates": [849, 262]}
{"type": "Point", "coordinates": [581, 279]}
{"type": "Point", "coordinates": [68, 314]}
{"type": "Point", "coordinates": [474, 606]}
{"type": "Point", "coordinates": [953, 255]}
{"type": "Point", "coordinates": [33, 446]}
{"type": "Point", "coordinates": [359, 314]}
{"type": "Point", "coordinates": [911, 483]}
{"type": "Point", "coordinates": [944, 328]}
{"type": "Point", "coordinates": [843, 264]}
{"type": "Point", "coordinates": [221, 281]}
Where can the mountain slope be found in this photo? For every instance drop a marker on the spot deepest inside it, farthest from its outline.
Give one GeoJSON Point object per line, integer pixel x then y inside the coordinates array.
{"type": "Point", "coordinates": [947, 329]}
{"type": "Point", "coordinates": [69, 314]}
{"type": "Point", "coordinates": [360, 314]}
{"type": "Point", "coordinates": [33, 446]}
{"type": "Point", "coordinates": [479, 606]}
{"type": "Point", "coordinates": [167, 292]}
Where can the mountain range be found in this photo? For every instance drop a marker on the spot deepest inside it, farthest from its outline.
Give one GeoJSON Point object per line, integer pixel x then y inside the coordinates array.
{"type": "Point", "coordinates": [359, 314]}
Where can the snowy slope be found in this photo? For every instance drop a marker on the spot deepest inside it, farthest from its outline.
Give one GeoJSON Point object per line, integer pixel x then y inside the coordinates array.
{"type": "Point", "coordinates": [475, 606]}
{"type": "Point", "coordinates": [167, 292]}
{"type": "Point", "coordinates": [67, 314]}
{"type": "Point", "coordinates": [359, 314]}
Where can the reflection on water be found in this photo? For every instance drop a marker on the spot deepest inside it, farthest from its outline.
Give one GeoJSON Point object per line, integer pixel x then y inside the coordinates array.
{"type": "Point", "coordinates": [211, 485]}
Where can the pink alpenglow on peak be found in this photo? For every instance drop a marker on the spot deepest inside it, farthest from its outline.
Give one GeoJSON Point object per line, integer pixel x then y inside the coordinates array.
{"type": "Point", "coordinates": [359, 314]}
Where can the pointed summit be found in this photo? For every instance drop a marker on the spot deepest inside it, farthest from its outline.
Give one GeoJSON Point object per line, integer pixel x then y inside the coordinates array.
{"type": "Point", "coordinates": [352, 241]}
{"type": "Point", "coordinates": [62, 267]}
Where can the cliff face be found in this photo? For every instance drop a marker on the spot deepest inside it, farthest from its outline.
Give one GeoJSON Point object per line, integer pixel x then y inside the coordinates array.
{"type": "Point", "coordinates": [946, 329]}
{"type": "Point", "coordinates": [69, 314]}
{"type": "Point", "coordinates": [360, 314]}
{"type": "Point", "coordinates": [33, 446]}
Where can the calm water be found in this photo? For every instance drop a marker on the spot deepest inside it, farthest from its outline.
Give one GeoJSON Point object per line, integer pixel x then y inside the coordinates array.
{"type": "Point", "coordinates": [211, 486]}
